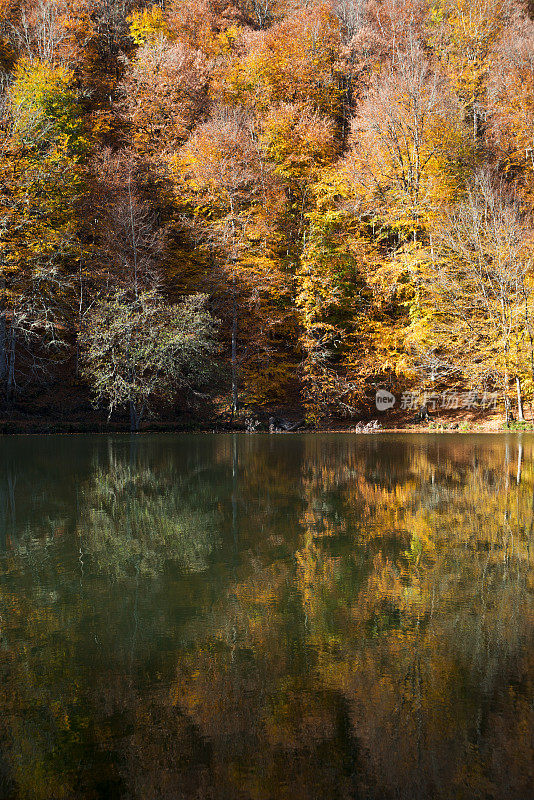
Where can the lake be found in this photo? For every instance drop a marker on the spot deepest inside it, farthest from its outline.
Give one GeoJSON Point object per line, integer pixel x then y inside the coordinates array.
{"type": "Point", "coordinates": [255, 617]}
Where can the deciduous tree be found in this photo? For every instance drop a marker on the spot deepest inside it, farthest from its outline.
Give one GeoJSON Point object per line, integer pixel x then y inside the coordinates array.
{"type": "Point", "coordinates": [137, 349]}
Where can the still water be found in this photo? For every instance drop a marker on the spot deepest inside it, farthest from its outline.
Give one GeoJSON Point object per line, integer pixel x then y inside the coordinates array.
{"type": "Point", "coordinates": [218, 617]}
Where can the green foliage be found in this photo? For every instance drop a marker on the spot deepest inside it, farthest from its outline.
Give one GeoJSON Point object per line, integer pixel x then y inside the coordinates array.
{"type": "Point", "coordinates": [520, 425]}
{"type": "Point", "coordinates": [137, 348]}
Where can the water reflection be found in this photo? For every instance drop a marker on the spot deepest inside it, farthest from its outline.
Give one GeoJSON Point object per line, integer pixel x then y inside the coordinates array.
{"type": "Point", "coordinates": [267, 617]}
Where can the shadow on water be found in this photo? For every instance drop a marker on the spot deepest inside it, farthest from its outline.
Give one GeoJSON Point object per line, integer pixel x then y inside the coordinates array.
{"type": "Point", "coordinates": [236, 617]}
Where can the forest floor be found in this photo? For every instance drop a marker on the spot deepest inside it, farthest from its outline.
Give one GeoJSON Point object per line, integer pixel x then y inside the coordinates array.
{"type": "Point", "coordinates": [461, 420]}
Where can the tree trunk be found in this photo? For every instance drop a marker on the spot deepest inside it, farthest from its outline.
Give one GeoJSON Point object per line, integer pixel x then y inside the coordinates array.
{"type": "Point", "coordinates": [234, 357]}
{"type": "Point", "coordinates": [80, 318]}
{"type": "Point", "coordinates": [135, 417]}
{"type": "Point", "coordinates": [506, 400]}
{"type": "Point", "coordinates": [3, 335]}
{"type": "Point", "coordinates": [77, 363]}
{"type": "Point", "coordinates": [520, 415]}
{"type": "Point", "coordinates": [10, 387]}
{"type": "Point", "coordinates": [3, 347]}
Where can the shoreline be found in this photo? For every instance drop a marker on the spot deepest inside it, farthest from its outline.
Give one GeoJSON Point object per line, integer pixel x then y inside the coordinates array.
{"type": "Point", "coordinates": [18, 428]}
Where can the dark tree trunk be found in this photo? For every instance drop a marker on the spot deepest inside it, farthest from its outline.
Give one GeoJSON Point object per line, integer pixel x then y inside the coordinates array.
{"type": "Point", "coordinates": [135, 417]}
{"type": "Point", "coordinates": [10, 387]}
{"type": "Point", "coordinates": [3, 347]}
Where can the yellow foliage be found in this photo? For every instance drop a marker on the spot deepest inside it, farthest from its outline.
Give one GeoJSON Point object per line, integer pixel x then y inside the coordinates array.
{"type": "Point", "coordinates": [148, 25]}
{"type": "Point", "coordinates": [43, 105]}
{"type": "Point", "coordinates": [298, 140]}
{"type": "Point", "coordinates": [463, 33]}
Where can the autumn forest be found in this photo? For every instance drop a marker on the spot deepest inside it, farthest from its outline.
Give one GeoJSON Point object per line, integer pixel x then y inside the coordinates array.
{"type": "Point", "coordinates": [218, 208]}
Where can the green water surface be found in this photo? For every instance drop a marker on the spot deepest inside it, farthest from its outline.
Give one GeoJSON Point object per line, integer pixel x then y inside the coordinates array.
{"type": "Point", "coordinates": [255, 617]}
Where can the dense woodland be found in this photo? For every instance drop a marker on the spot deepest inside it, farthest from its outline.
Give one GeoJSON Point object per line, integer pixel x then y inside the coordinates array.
{"type": "Point", "coordinates": [213, 207]}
